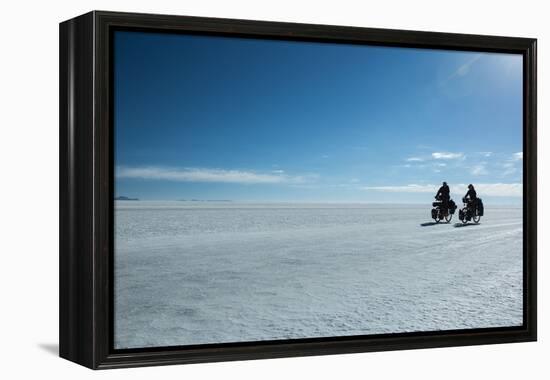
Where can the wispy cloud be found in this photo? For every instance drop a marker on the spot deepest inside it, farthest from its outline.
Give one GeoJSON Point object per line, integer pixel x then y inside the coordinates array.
{"type": "Point", "coordinates": [509, 168]}
{"type": "Point", "coordinates": [479, 169]}
{"type": "Point", "coordinates": [414, 159]}
{"type": "Point", "coordinates": [464, 69]}
{"type": "Point", "coordinates": [512, 164]}
{"type": "Point", "coordinates": [447, 155]}
{"type": "Point", "coordinates": [483, 189]}
{"type": "Point", "coordinates": [209, 175]}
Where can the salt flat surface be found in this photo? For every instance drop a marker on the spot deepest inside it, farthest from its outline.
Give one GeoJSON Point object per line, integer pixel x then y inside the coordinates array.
{"type": "Point", "coordinates": [209, 272]}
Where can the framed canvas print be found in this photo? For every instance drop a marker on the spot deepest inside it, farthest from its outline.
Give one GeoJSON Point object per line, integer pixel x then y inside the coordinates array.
{"type": "Point", "coordinates": [236, 189]}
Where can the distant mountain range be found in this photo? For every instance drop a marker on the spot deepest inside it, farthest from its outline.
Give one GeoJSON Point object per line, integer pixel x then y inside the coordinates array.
{"type": "Point", "coordinates": [123, 198]}
{"type": "Point", "coordinates": [204, 200]}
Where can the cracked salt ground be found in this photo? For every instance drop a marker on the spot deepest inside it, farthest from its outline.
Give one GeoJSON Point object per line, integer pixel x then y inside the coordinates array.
{"type": "Point", "coordinates": [207, 273]}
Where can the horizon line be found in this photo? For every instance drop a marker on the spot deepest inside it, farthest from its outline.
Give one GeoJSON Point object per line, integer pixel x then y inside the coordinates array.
{"type": "Point", "coordinates": [297, 202]}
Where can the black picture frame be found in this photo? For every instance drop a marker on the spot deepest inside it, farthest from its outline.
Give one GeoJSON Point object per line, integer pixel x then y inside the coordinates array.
{"type": "Point", "coordinates": [86, 190]}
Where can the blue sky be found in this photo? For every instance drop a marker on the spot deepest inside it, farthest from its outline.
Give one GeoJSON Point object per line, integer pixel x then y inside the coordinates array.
{"type": "Point", "coordinates": [208, 117]}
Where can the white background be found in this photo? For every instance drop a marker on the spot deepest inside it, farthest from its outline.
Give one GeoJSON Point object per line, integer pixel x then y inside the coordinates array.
{"type": "Point", "coordinates": [29, 187]}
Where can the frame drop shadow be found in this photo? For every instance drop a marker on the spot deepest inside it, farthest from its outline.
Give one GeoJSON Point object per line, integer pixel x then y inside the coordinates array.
{"type": "Point", "coordinates": [52, 348]}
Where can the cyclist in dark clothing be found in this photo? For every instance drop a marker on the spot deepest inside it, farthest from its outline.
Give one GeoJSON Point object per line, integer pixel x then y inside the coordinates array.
{"type": "Point", "coordinates": [471, 197]}
{"type": "Point", "coordinates": [443, 194]}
